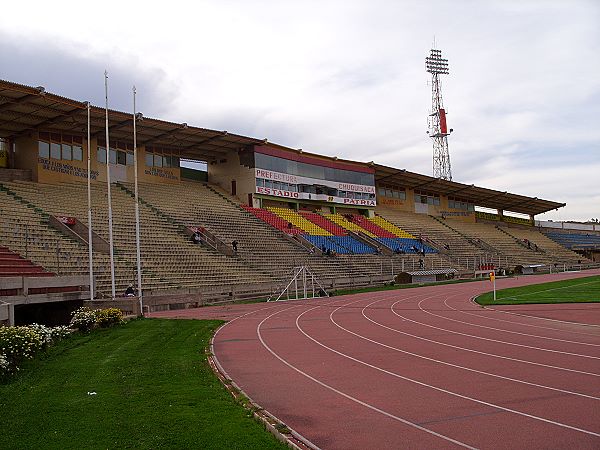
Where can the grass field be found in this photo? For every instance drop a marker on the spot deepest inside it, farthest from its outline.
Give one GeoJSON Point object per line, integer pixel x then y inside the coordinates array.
{"type": "Point", "coordinates": [568, 291]}
{"type": "Point", "coordinates": [154, 389]}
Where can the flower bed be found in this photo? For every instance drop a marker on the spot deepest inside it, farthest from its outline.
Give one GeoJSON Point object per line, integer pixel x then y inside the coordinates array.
{"type": "Point", "coordinates": [24, 342]}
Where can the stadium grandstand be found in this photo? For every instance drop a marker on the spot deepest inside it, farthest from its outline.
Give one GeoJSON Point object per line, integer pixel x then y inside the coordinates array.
{"type": "Point", "coordinates": [260, 210]}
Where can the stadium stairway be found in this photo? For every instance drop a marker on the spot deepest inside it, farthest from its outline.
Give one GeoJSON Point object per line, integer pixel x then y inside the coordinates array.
{"type": "Point", "coordinates": [169, 259]}
{"type": "Point", "coordinates": [402, 242]}
{"type": "Point", "coordinates": [557, 253]}
{"type": "Point", "coordinates": [24, 229]}
{"type": "Point", "coordinates": [263, 246]}
{"type": "Point", "coordinates": [449, 242]}
{"type": "Point", "coordinates": [512, 248]}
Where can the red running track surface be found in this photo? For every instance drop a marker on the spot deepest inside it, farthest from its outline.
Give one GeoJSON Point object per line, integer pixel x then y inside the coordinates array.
{"type": "Point", "coordinates": [420, 368]}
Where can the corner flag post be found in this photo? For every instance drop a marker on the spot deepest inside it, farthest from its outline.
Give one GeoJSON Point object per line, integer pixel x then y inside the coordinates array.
{"type": "Point", "coordinates": [493, 280]}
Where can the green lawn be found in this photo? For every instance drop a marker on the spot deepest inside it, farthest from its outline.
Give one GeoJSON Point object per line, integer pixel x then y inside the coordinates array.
{"type": "Point", "coordinates": [567, 291]}
{"type": "Point", "coordinates": [154, 389]}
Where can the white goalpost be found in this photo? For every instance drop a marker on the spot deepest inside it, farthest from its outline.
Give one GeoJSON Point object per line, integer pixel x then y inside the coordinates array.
{"type": "Point", "coordinates": [303, 284]}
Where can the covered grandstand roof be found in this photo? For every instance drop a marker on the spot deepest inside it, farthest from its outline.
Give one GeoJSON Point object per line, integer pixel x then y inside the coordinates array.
{"type": "Point", "coordinates": [488, 198]}
{"type": "Point", "coordinates": [26, 109]}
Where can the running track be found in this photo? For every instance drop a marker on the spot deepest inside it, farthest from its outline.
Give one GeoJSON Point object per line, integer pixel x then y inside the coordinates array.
{"type": "Point", "coordinates": [419, 368]}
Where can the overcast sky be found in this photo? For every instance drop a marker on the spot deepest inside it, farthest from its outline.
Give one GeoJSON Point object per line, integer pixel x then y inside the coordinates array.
{"type": "Point", "coordinates": [345, 78]}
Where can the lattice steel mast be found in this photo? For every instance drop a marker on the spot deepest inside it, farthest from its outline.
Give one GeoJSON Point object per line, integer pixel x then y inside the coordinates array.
{"type": "Point", "coordinates": [438, 131]}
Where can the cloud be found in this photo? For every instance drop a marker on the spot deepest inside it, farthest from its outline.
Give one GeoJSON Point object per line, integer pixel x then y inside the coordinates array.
{"type": "Point", "coordinates": [347, 78]}
{"type": "Point", "coordinates": [76, 71]}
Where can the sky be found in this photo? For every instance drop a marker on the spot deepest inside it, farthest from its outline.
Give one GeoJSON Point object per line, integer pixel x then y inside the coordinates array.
{"type": "Point", "coordinates": [345, 78]}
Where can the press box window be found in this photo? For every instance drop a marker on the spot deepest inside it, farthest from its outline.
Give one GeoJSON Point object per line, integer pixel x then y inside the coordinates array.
{"type": "Point", "coordinates": [55, 151]}
{"type": "Point", "coordinates": [101, 155]}
{"type": "Point", "coordinates": [149, 159]}
{"type": "Point", "coordinates": [129, 159]}
{"type": "Point", "coordinates": [43, 149]}
{"type": "Point", "coordinates": [77, 153]}
{"type": "Point", "coordinates": [67, 152]}
{"type": "Point", "coordinates": [121, 158]}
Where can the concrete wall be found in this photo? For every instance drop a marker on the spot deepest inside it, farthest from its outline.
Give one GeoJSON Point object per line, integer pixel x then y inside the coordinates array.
{"type": "Point", "coordinates": [47, 170]}
{"type": "Point", "coordinates": [227, 169]}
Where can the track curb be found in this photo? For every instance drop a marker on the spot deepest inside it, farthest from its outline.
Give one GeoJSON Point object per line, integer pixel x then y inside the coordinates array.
{"type": "Point", "coordinates": [272, 423]}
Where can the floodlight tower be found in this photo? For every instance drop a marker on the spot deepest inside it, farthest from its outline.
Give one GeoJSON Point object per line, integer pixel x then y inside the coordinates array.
{"type": "Point", "coordinates": [438, 130]}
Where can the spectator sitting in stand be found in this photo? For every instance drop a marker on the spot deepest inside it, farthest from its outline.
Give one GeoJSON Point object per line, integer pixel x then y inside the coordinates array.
{"type": "Point", "coordinates": [196, 238]}
{"type": "Point", "coordinates": [129, 292]}
{"type": "Point", "coordinates": [234, 245]}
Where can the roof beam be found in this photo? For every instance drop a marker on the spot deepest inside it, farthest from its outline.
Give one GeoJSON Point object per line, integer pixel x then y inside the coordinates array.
{"type": "Point", "coordinates": [41, 92]}
{"type": "Point", "coordinates": [207, 140]}
{"type": "Point", "coordinates": [519, 203]}
{"type": "Point", "coordinates": [460, 190]}
{"type": "Point", "coordinates": [183, 126]}
{"type": "Point", "coordinates": [392, 174]}
{"type": "Point", "coordinates": [496, 196]}
{"type": "Point", "coordinates": [49, 122]}
{"type": "Point", "coordinates": [426, 183]}
{"type": "Point", "coordinates": [116, 126]}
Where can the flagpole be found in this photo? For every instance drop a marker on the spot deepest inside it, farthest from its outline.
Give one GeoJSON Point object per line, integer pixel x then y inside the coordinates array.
{"type": "Point", "coordinates": [110, 221]}
{"type": "Point", "coordinates": [89, 193]}
{"type": "Point", "coordinates": [137, 208]}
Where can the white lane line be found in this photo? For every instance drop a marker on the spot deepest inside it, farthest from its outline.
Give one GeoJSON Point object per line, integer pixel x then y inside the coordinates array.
{"type": "Point", "coordinates": [445, 391]}
{"type": "Point", "coordinates": [437, 361]}
{"type": "Point", "coordinates": [239, 317]}
{"type": "Point", "coordinates": [348, 396]}
{"type": "Point", "coordinates": [558, 330]}
{"type": "Point", "coordinates": [543, 318]}
{"type": "Point", "coordinates": [509, 331]}
{"type": "Point", "coordinates": [494, 340]}
{"type": "Point", "coordinates": [494, 355]}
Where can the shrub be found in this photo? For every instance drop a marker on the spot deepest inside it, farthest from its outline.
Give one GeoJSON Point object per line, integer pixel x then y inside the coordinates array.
{"type": "Point", "coordinates": [109, 317]}
{"type": "Point", "coordinates": [60, 333]}
{"type": "Point", "coordinates": [44, 332]}
{"type": "Point", "coordinates": [83, 318]}
{"type": "Point", "coordinates": [4, 365]}
{"type": "Point", "coordinates": [17, 344]}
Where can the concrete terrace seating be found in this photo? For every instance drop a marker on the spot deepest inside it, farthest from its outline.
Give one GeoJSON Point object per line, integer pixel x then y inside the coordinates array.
{"type": "Point", "coordinates": [372, 227]}
{"type": "Point", "coordinates": [578, 240]}
{"type": "Point", "coordinates": [273, 220]}
{"type": "Point", "coordinates": [458, 245]}
{"type": "Point", "coordinates": [324, 223]}
{"type": "Point", "coordinates": [13, 265]}
{"type": "Point", "coordinates": [348, 225]}
{"type": "Point", "coordinates": [25, 231]}
{"type": "Point", "coordinates": [401, 242]}
{"type": "Point", "coordinates": [301, 222]}
{"type": "Point", "coordinates": [169, 259]}
{"type": "Point", "coordinates": [504, 243]}
{"type": "Point", "coordinates": [314, 225]}
{"type": "Point", "coordinates": [554, 250]}
{"type": "Point", "coordinates": [262, 245]}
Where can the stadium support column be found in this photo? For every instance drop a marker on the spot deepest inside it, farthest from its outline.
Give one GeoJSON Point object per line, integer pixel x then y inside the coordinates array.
{"type": "Point", "coordinates": [438, 130]}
